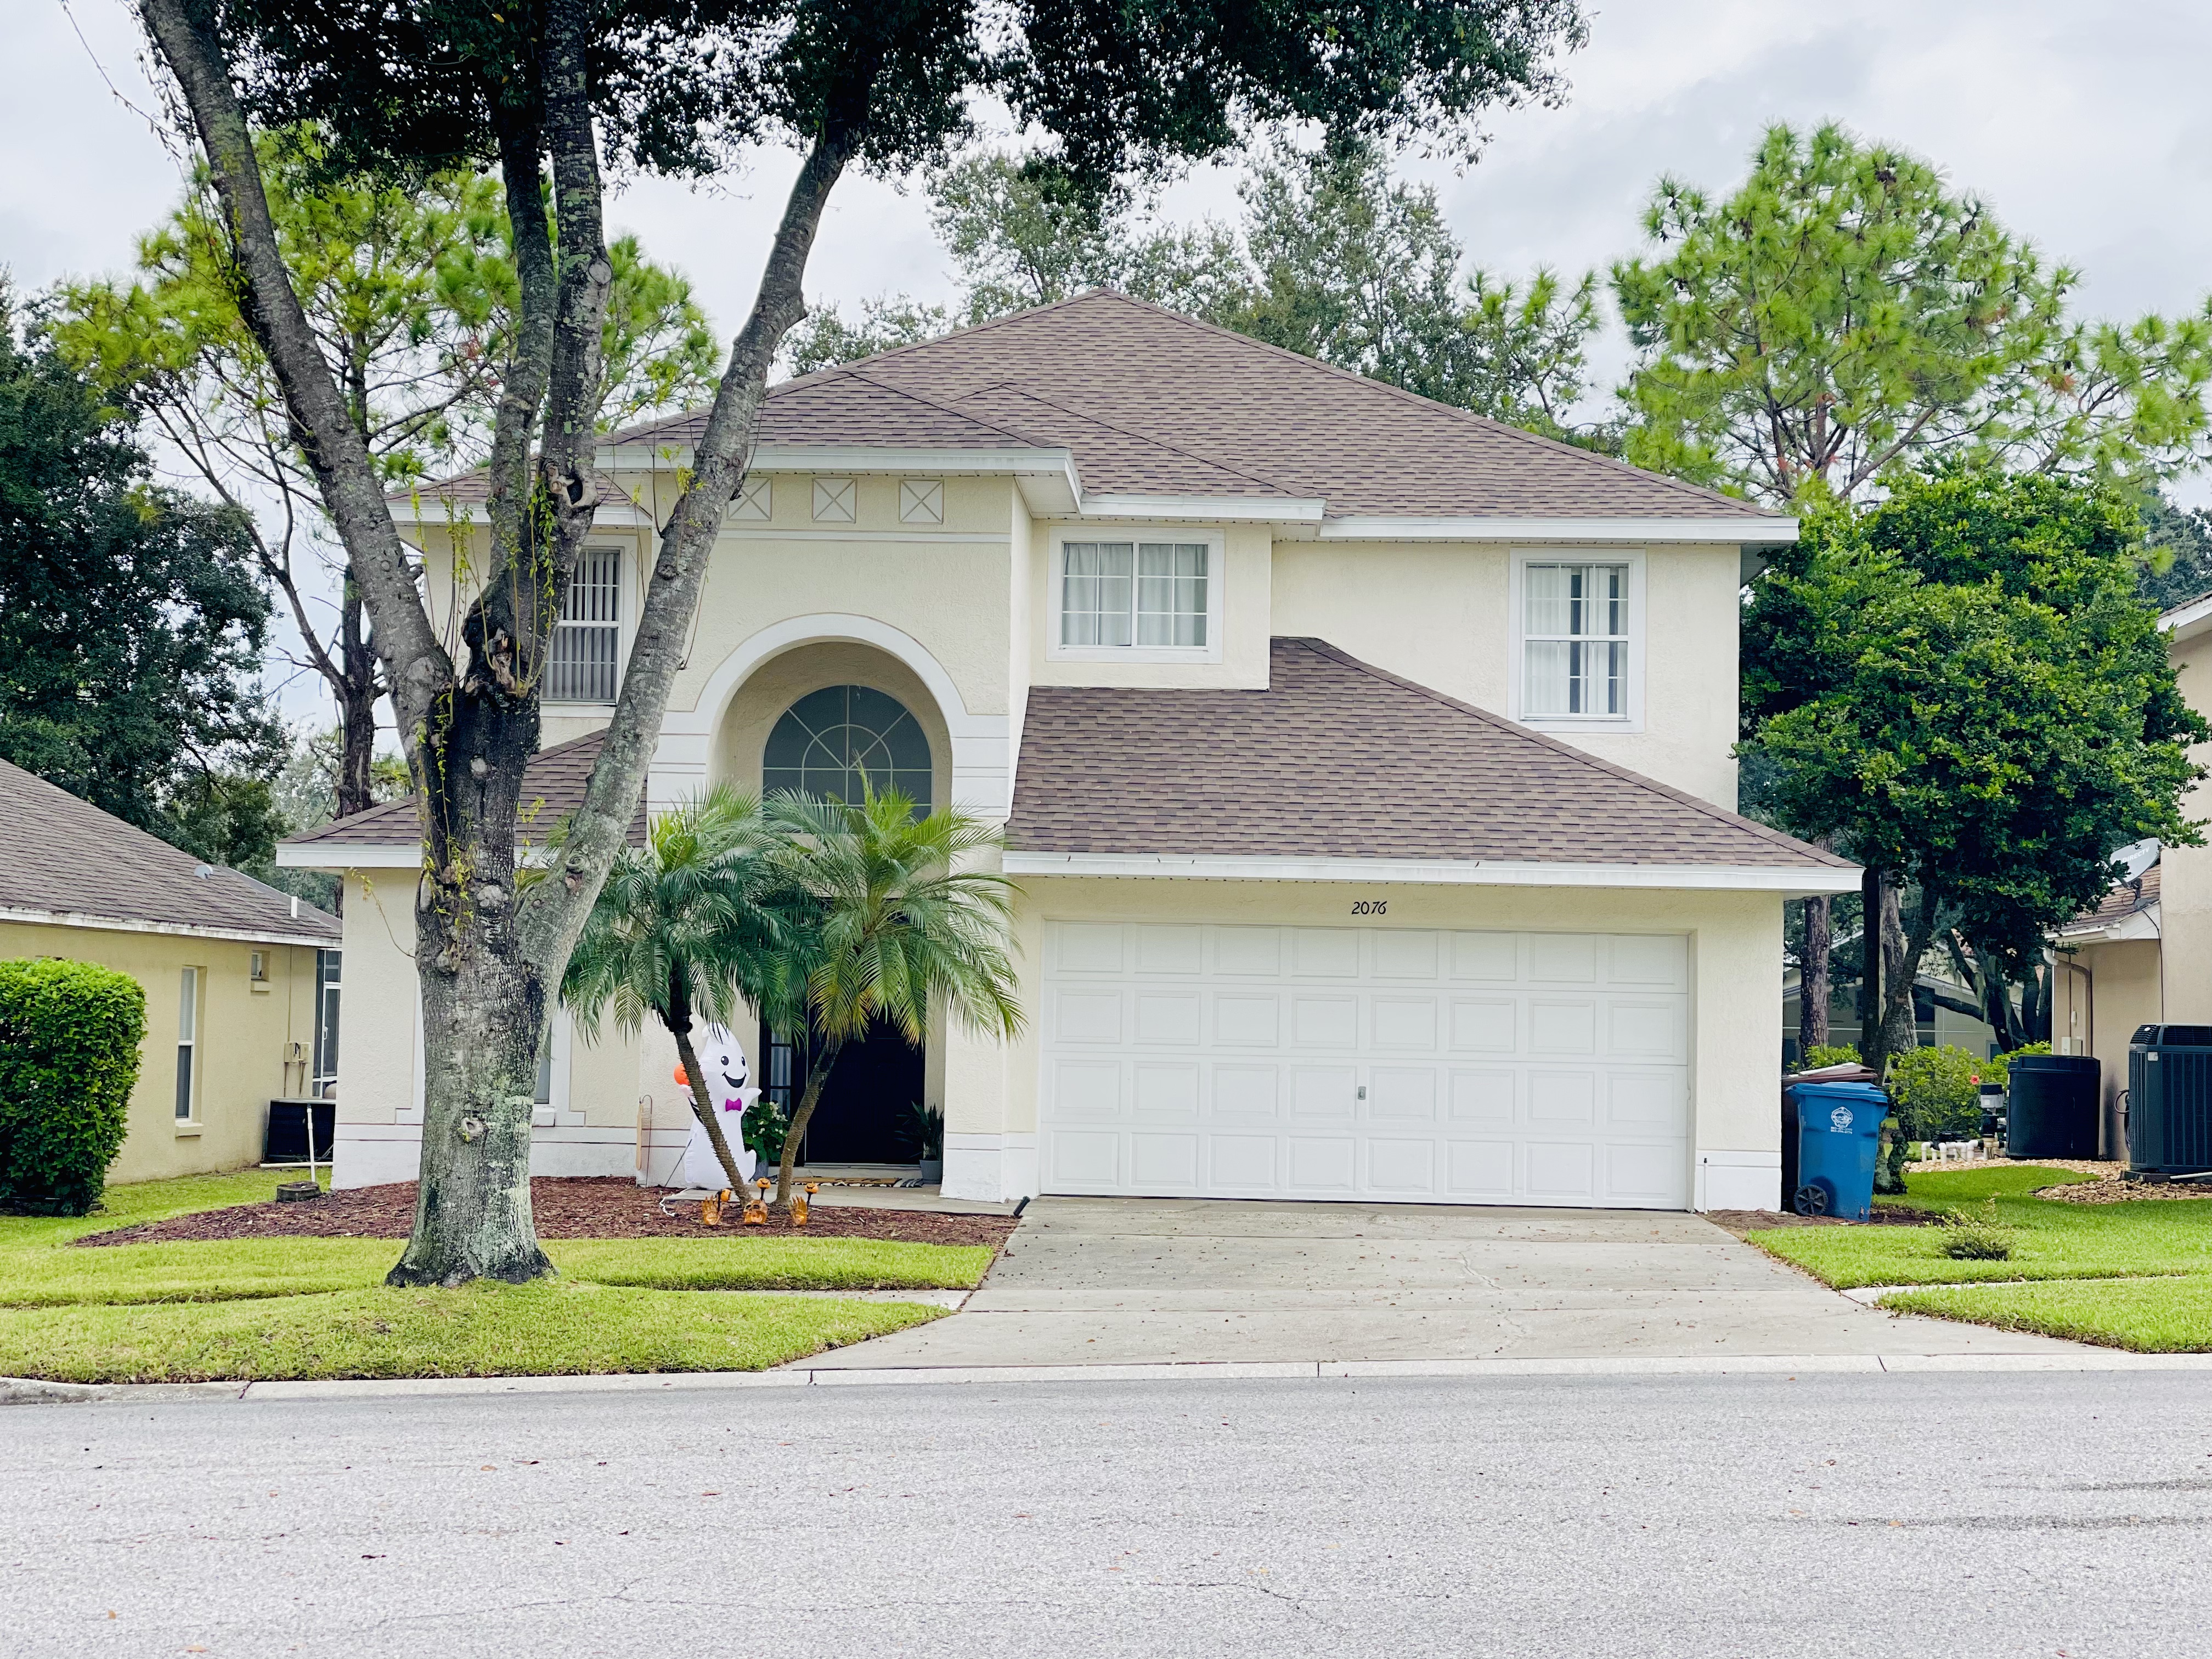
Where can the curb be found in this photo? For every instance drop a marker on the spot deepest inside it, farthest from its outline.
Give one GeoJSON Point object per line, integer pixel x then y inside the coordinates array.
{"type": "Point", "coordinates": [29, 1391]}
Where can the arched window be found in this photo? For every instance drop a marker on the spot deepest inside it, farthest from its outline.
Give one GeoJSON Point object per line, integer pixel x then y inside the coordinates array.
{"type": "Point", "coordinates": [829, 739]}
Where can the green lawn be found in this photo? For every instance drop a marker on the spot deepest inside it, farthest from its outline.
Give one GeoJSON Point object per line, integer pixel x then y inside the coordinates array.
{"type": "Point", "coordinates": [265, 1307]}
{"type": "Point", "coordinates": [2150, 1315]}
{"type": "Point", "coordinates": [2134, 1275]}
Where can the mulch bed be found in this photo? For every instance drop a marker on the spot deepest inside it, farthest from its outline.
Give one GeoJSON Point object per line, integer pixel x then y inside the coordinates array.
{"type": "Point", "coordinates": [596, 1207]}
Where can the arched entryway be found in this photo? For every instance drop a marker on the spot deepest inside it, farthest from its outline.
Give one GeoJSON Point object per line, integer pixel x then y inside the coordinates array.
{"type": "Point", "coordinates": [839, 741]}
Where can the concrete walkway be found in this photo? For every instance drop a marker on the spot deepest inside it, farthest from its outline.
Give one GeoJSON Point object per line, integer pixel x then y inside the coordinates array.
{"type": "Point", "coordinates": [1130, 1281]}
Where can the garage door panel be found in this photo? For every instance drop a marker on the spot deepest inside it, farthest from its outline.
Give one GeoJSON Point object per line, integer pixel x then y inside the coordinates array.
{"type": "Point", "coordinates": [1485, 1025]}
{"type": "Point", "coordinates": [1403, 1094]}
{"type": "Point", "coordinates": [1646, 1028]}
{"type": "Point", "coordinates": [1247, 1018]}
{"type": "Point", "coordinates": [1322, 1165]}
{"type": "Point", "coordinates": [1319, 1092]}
{"type": "Point", "coordinates": [1245, 1092]}
{"type": "Point", "coordinates": [1166, 1089]}
{"type": "Point", "coordinates": [1084, 1158]}
{"type": "Point", "coordinates": [1163, 1162]}
{"type": "Point", "coordinates": [1251, 952]}
{"type": "Point", "coordinates": [1401, 1022]}
{"type": "Point", "coordinates": [1088, 947]}
{"type": "Point", "coordinates": [1562, 1025]}
{"type": "Point", "coordinates": [1084, 1090]}
{"type": "Point", "coordinates": [1480, 1170]}
{"type": "Point", "coordinates": [1562, 1171]}
{"type": "Point", "coordinates": [1324, 1022]}
{"type": "Point", "coordinates": [1167, 1018]}
{"type": "Point", "coordinates": [1088, 1015]}
{"type": "Point", "coordinates": [1410, 1065]}
{"type": "Point", "coordinates": [1243, 1163]}
{"type": "Point", "coordinates": [1638, 1173]}
{"type": "Point", "coordinates": [1178, 951]}
{"type": "Point", "coordinates": [1404, 1169]}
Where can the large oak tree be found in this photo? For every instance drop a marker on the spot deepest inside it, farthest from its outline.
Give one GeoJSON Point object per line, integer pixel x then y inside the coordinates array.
{"type": "Point", "coordinates": [534, 87]}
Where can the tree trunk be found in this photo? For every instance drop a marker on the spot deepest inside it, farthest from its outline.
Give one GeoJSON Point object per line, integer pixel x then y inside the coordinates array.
{"type": "Point", "coordinates": [1901, 954]}
{"type": "Point", "coordinates": [473, 1217]}
{"type": "Point", "coordinates": [702, 1102]}
{"type": "Point", "coordinates": [817, 1073]}
{"type": "Point", "coordinates": [1871, 886]}
{"type": "Point", "coordinates": [1813, 978]}
{"type": "Point", "coordinates": [358, 690]}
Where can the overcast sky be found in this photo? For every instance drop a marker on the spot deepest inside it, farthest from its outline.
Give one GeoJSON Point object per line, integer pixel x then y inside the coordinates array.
{"type": "Point", "coordinates": [2085, 127]}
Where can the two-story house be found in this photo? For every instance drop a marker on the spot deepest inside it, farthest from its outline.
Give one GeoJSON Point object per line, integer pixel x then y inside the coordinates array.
{"type": "Point", "coordinates": [1365, 765]}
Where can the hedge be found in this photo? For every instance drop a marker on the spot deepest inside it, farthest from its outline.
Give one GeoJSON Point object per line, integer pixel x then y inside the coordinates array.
{"type": "Point", "coordinates": [69, 1033]}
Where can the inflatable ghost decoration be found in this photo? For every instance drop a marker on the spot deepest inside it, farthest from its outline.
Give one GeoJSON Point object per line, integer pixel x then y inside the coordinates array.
{"type": "Point", "coordinates": [727, 1075]}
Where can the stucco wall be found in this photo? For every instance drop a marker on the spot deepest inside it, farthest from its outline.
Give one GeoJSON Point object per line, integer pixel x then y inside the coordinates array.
{"type": "Point", "coordinates": [243, 1041]}
{"type": "Point", "coordinates": [2185, 872]}
{"type": "Point", "coordinates": [1440, 614]}
{"type": "Point", "coordinates": [1735, 944]}
{"type": "Point", "coordinates": [2096, 1010]}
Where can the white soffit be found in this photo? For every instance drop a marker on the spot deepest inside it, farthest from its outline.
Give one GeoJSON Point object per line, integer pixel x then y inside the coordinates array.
{"type": "Point", "coordinates": [2186, 622]}
{"type": "Point", "coordinates": [1741, 531]}
{"type": "Point", "coordinates": [1720, 878]}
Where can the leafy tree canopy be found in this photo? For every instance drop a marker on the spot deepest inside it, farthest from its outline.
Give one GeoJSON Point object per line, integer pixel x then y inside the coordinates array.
{"type": "Point", "coordinates": [132, 624]}
{"type": "Point", "coordinates": [2179, 540]}
{"type": "Point", "coordinates": [1845, 310]}
{"type": "Point", "coordinates": [1962, 687]}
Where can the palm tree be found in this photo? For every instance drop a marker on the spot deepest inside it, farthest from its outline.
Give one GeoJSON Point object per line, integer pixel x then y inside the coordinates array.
{"type": "Point", "coordinates": [685, 926]}
{"type": "Point", "coordinates": [889, 925]}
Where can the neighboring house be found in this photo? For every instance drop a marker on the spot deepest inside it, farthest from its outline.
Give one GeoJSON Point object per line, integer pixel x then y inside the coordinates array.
{"type": "Point", "coordinates": [1944, 1013]}
{"type": "Point", "coordinates": [2144, 956]}
{"type": "Point", "coordinates": [1366, 768]}
{"type": "Point", "coordinates": [241, 980]}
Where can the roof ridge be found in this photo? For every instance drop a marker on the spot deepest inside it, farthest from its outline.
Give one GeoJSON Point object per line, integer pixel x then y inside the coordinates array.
{"type": "Point", "coordinates": [1502, 427]}
{"type": "Point", "coordinates": [1142, 436]}
{"type": "Point", "coordinates": [1321, 648]}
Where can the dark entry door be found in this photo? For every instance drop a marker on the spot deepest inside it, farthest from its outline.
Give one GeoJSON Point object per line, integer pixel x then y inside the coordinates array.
{"type": "Point", "coordinates": [864, 1108]}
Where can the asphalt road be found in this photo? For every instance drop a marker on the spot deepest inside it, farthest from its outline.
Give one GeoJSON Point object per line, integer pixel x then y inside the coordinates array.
{"type": "Point", "coordinates": [1890, 1515]}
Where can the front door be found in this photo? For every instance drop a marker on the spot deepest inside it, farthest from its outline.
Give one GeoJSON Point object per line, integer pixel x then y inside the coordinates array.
{"type": "Point", "coordinates": [866, 1106]}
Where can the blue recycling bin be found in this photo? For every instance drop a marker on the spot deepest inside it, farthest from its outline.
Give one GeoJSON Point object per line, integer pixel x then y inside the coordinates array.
{"type": "Point", "coordinates": [1838, 1144]}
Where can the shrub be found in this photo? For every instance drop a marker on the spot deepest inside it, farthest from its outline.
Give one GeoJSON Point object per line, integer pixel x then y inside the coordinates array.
{"type": "Point", "coordinates": [1828, 1054]}
{"type": "Point", "coordinates": [1998, 1068]}
{"type": "Point", "coordinates": [1980, 1237]}
{"type": "Point", "coordinates": [1937, 1090]}
{"type": "Point", "coordinates": [69, 1033]}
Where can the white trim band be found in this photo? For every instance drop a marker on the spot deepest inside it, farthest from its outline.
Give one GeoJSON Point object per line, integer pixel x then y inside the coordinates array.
{"type": "Point", "coordinates": [1744, 532]}
{"type": "Point", "coordinates": [1735, 877]}
{"type": "Point", "coordinates": [179, 929]}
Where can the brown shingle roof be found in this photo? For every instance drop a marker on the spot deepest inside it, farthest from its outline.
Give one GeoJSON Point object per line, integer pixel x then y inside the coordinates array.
{"type": "Point", "coordinates": [62, 856]}
{"type": "Point", "coordinates": [1337, 758]}
{"type": "Point", "coordinates": [2121, 899]}
{"type": "Point", "coordinates": [552, 788]}
{"type": "Point", "coordinates": [1154, 403]}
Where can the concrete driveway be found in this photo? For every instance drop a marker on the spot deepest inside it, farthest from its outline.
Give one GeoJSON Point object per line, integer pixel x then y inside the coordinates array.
{"type": "Point", "coordinates": [1130, 1281]}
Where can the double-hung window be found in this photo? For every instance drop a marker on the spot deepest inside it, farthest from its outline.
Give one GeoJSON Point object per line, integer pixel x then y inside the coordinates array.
{"type": "Point", "coordinates": [1141, 595]}
{"type": "Point", "coordinates": [587, 640]}
{"type": "Point", "coordinates": [188, 1042]}
{"type": "Point", "coordinates": [1575, 642]}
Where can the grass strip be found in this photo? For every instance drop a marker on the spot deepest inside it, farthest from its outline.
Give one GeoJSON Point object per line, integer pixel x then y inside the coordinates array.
{"type": "Point", "coordinates": [553, 1329]}
{"type": "Point", "coordinates": [2146, 1315]}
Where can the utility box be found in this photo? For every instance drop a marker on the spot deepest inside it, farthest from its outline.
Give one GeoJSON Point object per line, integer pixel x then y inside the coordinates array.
{"type": "Point", "coordinates": [2169, 1101]}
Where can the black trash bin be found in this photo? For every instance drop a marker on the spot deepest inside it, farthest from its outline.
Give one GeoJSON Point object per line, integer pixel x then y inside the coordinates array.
{"type": "Point", "coordinates": [2052, 1106]}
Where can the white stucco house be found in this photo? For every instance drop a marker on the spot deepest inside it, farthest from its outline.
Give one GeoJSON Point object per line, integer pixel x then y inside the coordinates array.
{"type": "Point", "coordinates": [1366, 768]}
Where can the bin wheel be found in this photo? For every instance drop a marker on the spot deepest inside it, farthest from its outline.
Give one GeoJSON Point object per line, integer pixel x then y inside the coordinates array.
{"type": "Point", "coordinates": [1810, 1201]}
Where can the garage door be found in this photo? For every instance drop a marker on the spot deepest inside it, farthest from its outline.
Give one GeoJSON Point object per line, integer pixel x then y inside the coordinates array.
{"type": "Point", "coordinates": [1409, 1065]}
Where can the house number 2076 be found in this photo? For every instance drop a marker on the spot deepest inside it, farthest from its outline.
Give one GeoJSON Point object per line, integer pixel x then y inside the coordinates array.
{"type": "Point", "coordinates": [1370, 907]}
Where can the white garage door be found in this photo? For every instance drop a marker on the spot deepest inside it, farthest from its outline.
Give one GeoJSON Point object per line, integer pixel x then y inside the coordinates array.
{"type": "Point", "coordinates": [1366, 1063]}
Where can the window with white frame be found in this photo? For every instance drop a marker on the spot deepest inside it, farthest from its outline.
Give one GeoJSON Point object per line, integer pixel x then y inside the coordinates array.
{"type": "Point", "coordinates": [188, 1042]}
{"type": "Point", "coordinates": [1575, 641]}
{"type": "Point", "coordinates": [1144, 595]}
{"type": "Point", "coordinates": [587, 640]}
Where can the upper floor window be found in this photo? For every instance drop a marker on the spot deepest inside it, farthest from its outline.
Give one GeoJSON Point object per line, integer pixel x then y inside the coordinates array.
{"type": "Point", "coordinates": [587, 640]}
{"type": "Point", "coordinates": [1140, 596]}
{"type": "Point", "coordinates": [1575, 642]}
